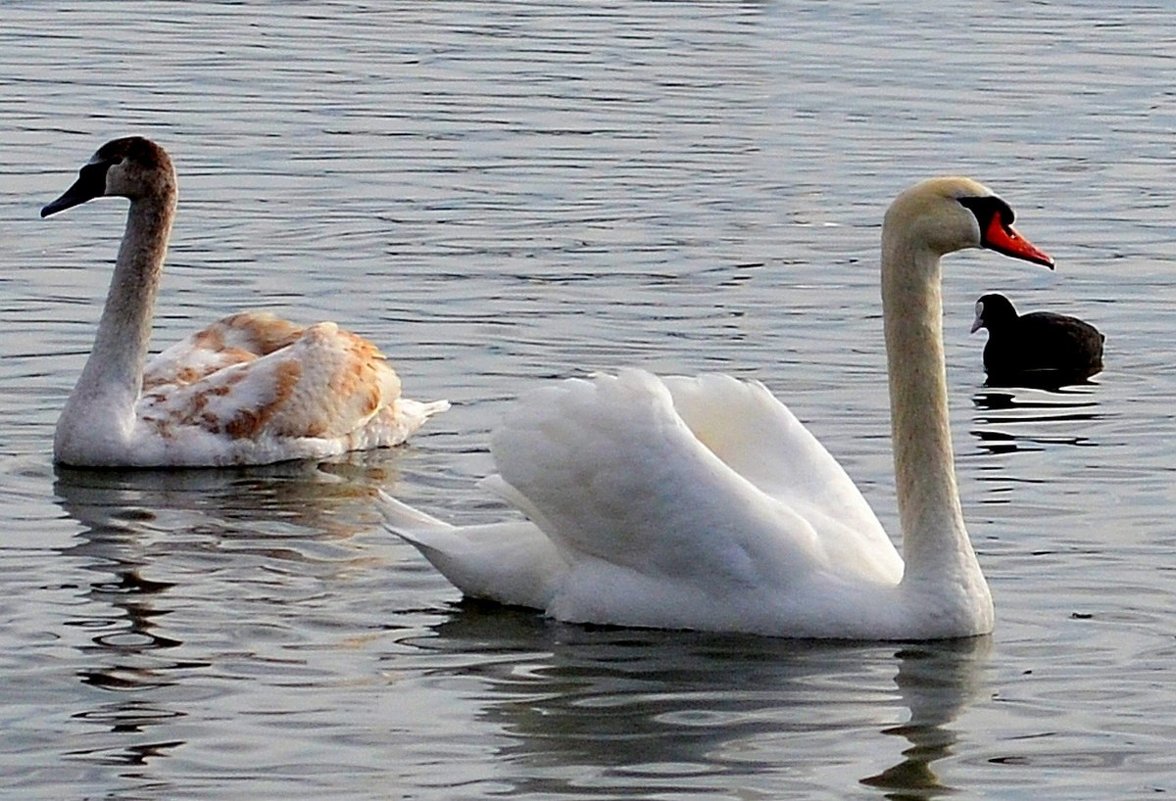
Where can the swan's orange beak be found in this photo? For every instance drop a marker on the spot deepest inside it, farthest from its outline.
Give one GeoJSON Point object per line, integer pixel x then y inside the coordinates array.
{"type": "Point", "coordinates": [1005, 239]}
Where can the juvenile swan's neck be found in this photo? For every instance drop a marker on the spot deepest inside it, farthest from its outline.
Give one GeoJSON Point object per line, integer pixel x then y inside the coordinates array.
{"type": "Point", "coordinates": [936, 548]}
{"type": "Point", "coordinates": [110, 383]}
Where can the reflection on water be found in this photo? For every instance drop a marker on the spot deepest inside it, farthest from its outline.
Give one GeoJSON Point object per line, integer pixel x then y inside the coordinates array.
{"type": "Point", "coordinates": [140, 523]}
{"type": "Point", "coordinates": [629, 713]}
{"type": "Point", "coordinates": [96, 497]}
{"type": "Point", "coordinates": [1033, 417]}
{"type": "Point", "coordinates": [936, 681]}
{"type": "Point", "coordinates": [1048, 380]}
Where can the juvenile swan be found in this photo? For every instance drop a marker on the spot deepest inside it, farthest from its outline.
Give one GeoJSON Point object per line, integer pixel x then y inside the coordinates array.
{"type": "Point", "coordinates": [703, 503]}
{"type": "Point", "coordinates": [249, 389]}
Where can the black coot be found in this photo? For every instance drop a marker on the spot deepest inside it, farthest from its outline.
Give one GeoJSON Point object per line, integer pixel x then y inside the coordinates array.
{"type": "Point", "coordinates": [1036, 344]}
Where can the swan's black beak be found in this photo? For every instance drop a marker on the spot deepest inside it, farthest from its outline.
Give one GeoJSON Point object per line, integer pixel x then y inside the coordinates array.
{"type": "Point", "coordinates": [1003, 238]}
{"type": "Point", "coordinates": [91, 183]}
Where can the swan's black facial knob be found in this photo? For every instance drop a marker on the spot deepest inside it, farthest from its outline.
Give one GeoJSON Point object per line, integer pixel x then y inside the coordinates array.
{"type": "Point", "coordinates": [91, 183]}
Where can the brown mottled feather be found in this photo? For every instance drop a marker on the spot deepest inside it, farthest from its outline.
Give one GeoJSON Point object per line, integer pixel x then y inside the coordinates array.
{"type": "Point", "coordinates": [270, 378]}
{"type": "Point", "coordinates": [236, 339]}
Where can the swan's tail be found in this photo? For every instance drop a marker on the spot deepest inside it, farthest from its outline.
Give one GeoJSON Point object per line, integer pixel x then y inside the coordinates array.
{"type": "Point", "coordinates": [418, 410]}
{"type": "Point", "coordinates": [397, 422]}
{"type": "Point", "coordinates": [412, 525]}
{"type": "Point", "coordinates": [511, 562]}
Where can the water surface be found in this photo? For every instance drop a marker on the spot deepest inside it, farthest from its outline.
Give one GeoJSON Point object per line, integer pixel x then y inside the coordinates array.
{"type": "Point", "coordinates": [505, 193]}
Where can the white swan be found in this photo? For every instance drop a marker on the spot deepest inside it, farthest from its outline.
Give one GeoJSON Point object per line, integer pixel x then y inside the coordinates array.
{"type": "Point", "coordinates": [249, 389]}
{"type": "Point", "coordinates": [703, 503]}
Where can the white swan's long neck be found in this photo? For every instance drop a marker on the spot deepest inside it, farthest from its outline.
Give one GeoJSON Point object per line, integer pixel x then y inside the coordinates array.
{"type": "Point", "coordinates": [936, 547]}
{"type": "Point", "coordinates": [110, 383]}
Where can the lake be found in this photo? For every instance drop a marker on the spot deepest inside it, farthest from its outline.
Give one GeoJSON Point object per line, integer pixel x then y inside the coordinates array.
{"type": "Point", "coordinates": [502, 194]}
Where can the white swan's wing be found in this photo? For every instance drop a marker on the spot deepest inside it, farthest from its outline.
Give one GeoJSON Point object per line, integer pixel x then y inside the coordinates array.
{"type": "Point", "coordinates": [759, 438]}
{"type": "Point", "coordinates": [614, 475]}
{"type": "Point", "coordinates": [512, 563]}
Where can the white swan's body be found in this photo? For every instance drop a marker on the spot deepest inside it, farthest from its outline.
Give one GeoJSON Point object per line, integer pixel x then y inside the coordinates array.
{"type": "Point", "coordinates": [703, 503]}
{"type": "Point", "coordinates": [249, 389]}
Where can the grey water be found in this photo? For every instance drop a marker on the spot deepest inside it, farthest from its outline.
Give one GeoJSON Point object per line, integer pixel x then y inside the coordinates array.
{"type": "Point", "coordinates": [505, 193]}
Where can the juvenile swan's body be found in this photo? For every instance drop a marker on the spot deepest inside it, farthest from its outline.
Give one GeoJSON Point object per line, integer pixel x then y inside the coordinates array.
{"type": "Point", "coordinates": [703, 503]}
{"type": "Point", "coordinates": [249, 389]}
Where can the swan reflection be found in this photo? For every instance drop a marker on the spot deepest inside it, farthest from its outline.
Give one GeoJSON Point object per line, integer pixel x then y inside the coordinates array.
{"type": "Point", "coordinates": [936, 682]}
{"type": "Point", "coordinates": [638, 712]}
{"type": "Point", "coordinates": [159, 555]}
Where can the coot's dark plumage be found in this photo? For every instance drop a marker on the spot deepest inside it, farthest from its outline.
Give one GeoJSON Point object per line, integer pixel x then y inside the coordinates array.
{"type": "Point", "coordinates": [1038, 342]}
